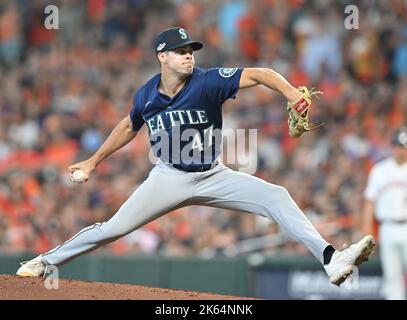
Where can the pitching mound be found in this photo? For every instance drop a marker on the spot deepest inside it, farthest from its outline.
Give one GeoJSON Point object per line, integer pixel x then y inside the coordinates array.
{"type": "Point", "coordinates": [18, 288]}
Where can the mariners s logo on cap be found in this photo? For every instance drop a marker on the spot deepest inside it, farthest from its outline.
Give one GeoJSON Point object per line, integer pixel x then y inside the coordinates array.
{"type": "Point", "coordinates": [183, 33]}
{"type": "Point", "coordinates": [174, 38]}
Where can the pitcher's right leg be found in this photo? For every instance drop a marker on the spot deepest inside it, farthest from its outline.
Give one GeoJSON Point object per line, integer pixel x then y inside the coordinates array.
{"type": "Point", "coordinates": [164, 190]}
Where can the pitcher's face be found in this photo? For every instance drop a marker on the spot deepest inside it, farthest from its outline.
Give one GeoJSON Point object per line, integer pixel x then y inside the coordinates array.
{"type": "Point", "coordinates": [180, 61]}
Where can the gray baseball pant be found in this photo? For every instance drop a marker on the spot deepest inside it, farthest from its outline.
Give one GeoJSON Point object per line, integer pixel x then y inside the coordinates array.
{"type": "Point", "coordinates": [167, 189]}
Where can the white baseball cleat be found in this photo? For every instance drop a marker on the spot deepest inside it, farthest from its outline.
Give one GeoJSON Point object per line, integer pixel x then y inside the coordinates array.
{"type": "Point", "coordinates": [32, 268]}
{"type": "Point", "coordinates": [343, 262]}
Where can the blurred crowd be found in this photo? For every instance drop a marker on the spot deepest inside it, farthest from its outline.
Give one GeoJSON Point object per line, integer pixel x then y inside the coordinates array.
{"type": "Point", "coordinates": [62, 91]}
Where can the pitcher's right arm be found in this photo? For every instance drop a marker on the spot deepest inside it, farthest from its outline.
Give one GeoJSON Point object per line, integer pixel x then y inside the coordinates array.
{"type": "Point", "coordinates": [121, 135]}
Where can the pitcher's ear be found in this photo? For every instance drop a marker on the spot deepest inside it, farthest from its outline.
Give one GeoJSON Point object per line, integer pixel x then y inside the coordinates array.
{"type": "Point", "coordinates": [161, 56]}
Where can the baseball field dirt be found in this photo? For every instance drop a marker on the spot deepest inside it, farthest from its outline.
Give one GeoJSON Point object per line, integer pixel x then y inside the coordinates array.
{"type": "Point", "coordinates": [18, 288]}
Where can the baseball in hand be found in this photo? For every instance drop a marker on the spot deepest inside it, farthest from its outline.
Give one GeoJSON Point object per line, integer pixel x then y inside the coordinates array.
{"type": "Point", "coordinates": [78, 176]}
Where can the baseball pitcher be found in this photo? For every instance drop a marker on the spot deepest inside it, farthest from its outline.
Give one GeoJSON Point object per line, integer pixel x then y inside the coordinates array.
{"type": "Point", "coordinates": [386, 200]}
{"type": "Point", "coordinates": [182, 108]}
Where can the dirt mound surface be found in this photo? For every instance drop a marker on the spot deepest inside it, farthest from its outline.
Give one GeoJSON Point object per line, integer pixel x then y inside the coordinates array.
{"type": "Point", "coordinates": [19, 288]}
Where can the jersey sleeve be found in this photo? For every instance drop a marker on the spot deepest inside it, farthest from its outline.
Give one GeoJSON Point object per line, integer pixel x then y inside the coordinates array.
{"type": "Point", "coordinates": [371, 190]}
{"type": "Point", "coordinates": [136, 112]}
{"type": "Point", "coordinates": [222, 83]}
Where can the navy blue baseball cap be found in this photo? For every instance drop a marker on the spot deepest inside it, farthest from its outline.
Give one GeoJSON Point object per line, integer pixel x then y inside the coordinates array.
{"type": "Point", "coordinates": [174, 38]}
{"type": "Point", "coordinates": [399, 137]}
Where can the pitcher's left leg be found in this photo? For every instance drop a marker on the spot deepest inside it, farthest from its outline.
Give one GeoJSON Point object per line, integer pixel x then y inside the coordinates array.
{"type": "Point", "coordinates": [225, 188]}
